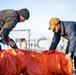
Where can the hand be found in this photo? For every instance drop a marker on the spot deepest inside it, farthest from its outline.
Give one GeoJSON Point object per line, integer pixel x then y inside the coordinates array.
{"type": "Point", "coordinates": [68, 56]}
{"type": "Point", "coordinates": [11, 43]}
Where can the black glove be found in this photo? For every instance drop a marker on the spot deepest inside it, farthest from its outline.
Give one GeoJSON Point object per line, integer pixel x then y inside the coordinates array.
{"type": "Point", "coordinates": [9, 41]}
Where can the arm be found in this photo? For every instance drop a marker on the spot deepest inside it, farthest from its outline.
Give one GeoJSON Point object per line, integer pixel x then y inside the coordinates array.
{"type": "Point", "coordinates": [10, 23]}
{"type": "Point", "coordinates": [72, 39]}
{"type": "Point", "coordinates": [55, 41]}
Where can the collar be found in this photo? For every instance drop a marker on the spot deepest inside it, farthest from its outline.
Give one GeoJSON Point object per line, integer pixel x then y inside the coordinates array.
{"type": "Point", "coordinates": [62, 28]}
{"type": "Point", "coordinates": [18, 16]}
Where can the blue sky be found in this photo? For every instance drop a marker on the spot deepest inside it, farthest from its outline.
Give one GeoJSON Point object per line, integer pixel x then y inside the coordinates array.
{"type": "Point", "coordinates": [40, 13]}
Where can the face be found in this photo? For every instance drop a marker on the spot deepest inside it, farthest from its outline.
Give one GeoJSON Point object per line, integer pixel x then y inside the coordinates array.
{"type": "Point", "coordinates": [22, 19]}
{"type": "Point", "coordinates": [56, 28]}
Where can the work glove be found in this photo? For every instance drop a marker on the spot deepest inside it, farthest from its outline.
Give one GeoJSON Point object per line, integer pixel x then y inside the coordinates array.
{"type": "Point", "coordinates": [8, 41]}
{"type": "Point", "coordinates": [11, 43]}
{"type": "Point", "coordinates": [68, 56]}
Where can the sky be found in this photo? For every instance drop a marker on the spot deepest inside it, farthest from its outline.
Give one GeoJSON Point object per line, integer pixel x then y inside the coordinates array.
{"type": "Point", "coordinates": [40, 13]}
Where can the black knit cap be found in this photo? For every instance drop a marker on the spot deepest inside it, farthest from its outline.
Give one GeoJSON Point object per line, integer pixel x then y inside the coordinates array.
{"type": "Point", "coordinates": [24, 13]}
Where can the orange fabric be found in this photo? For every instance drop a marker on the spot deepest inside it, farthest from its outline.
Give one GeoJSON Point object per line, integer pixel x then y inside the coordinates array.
{"type": "Point", "coordinates": [58, 65]}
{"type": "Point", "coordinates": [15, 62]}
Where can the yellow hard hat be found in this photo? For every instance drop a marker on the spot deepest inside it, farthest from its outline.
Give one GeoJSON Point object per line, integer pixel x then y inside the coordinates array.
{"type": "Point", "coordinates": [53, 22]}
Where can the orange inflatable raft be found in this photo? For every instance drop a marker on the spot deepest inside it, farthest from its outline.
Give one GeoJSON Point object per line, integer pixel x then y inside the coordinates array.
{"type": "Point", "coordinates": [26, 62]}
